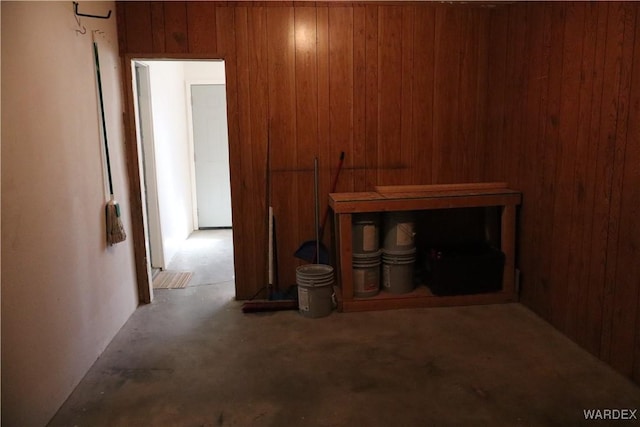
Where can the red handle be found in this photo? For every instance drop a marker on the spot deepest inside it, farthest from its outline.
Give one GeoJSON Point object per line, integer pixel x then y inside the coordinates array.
{"type": "Point", "coordinates": [334, 184]}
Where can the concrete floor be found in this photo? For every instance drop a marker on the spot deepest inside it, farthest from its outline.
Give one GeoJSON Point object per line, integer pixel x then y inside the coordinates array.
{"type": "Point", "coordinates": [192, 358]}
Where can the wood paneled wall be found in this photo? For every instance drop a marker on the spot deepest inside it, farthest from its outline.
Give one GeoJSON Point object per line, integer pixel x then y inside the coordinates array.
{"type": "Point", "coordinates": [543, 95]}
{"type": "Point", "coordinates": [401, 89]}
{"type": "Point", "coordinates": [564, 126]}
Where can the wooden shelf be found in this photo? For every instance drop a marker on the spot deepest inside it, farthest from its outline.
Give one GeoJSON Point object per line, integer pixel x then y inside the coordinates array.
{"type": "Point", "coordinates": [415, 198]}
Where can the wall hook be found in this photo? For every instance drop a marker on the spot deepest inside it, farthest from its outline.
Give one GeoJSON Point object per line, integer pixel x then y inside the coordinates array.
{"type": "Point", "coordinates": [75, 9]}
{"type": "Point", "coordinates": [84, 29]}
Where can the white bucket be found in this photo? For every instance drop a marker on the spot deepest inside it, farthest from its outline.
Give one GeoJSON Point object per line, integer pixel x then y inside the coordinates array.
{"type": "Point", "coordinates": [365, 233]}
{"type": "Point", "coordinates": [315, 290]}
{"type": "Point", "coordinates": [399, 231]}
{"type": "Point", "coordinates": [366, 274]}
{"type": "Point", "coordinates": [397, 271]}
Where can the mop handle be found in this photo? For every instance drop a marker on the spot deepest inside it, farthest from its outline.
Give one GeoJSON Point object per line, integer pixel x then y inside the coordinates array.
{"type": "Point", "coordinates": [104, 124]}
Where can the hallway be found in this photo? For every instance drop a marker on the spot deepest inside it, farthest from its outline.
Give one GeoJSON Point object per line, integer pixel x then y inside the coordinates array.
{"type": "Point", "coordinates": [208, 254]}
{"type": "Point", "coordinates": [192, 358]}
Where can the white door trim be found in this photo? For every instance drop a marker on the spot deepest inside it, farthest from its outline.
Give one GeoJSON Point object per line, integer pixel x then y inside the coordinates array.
{"type": "Point", "coordinates": [144, 115]}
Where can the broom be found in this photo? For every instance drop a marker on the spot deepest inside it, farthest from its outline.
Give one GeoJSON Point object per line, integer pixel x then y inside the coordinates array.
{"type": "Point", "coordinates": [115, 229]}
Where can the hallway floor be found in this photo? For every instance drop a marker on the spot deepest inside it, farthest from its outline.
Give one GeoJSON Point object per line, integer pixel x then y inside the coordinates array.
{"type": "Point", "coordinates": [192, 358]}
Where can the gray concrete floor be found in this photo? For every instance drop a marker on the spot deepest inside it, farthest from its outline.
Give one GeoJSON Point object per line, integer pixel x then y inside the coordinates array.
{"type": "Point", "coordinates": [192, 358]}
{"type": "Point", "coordinates": [208, 254]}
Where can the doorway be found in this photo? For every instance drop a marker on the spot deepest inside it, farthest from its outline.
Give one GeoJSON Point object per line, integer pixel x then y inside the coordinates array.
{"type": "Point", "coordinates": [182, 145]}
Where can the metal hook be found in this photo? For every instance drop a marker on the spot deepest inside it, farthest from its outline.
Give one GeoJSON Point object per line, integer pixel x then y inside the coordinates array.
{"type": "Point", "coordinates": [84, 29]}
{"type": "Point", "coordinates": [75, 9]}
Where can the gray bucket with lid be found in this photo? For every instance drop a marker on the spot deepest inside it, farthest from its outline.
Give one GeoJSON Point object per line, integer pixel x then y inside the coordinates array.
{"type": "Point", "coordinates": [399, 231]}
{"type": "Point", "coordinates": [397, 271]}
{"type": "Point", "coordinates": [366, 274]}
{"type": "Point", "coordinates": [315, 290]}
{"type": "Point", "coordinates": [365, 233]}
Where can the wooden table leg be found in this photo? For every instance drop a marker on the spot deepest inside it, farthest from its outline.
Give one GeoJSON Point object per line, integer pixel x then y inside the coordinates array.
{"type": "Point", "coordinates": [345, 255]}
{"type": "Point", "coordinates": [507, 244]}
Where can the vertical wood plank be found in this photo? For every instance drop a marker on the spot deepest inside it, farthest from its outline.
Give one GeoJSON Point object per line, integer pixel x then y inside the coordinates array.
{"type": "Point", "coordinates": [121, 18]}
{"type": "Point", "coordinates": [201, 28]}
{"type": "Point", "coordinates": [580, 211]}
{"type": "Point", "coordinates": [306, 87]}
{"type": "Point", "coordinates": [282, 117]}
{"type": "Point", "coordinates": [324, 117]}
{"type": "Point", "coordinates": [341, 92]}
{"type": "Point", "coordinates": [390, 164]}
{"type": "Point", "coordinates": [478, 104]}
{"type": "Point", "coordinates": [604, 167]}
{"type": "Point", "coordinates": [359, 99]}
{"type": "Point", "coordinates": [406, 118]}
{"type": "Point", "coordinates": [371, 82]}
{"type": "Point", "coordinates": [620, 308]}
{"type": "Point", "coordinates": [157, 27]}
{"type": "Point", "coordinates": [175, 26]}
{"type": "Point", "coordinates": [243, 164]}
{"type": "Point", "coordinates": [471, 83]}
{"type": "Point", "coordinates": [629, 251]}
{"type": "Point", "coordinates": [423, 88]}
{"type": "Point", "coordinates": [448, 32]}
{"type": "Point", "coordinates": [543, 145]}
{"type": "Point", "coordinates": [464, 142]}
{"type": "Point", "coordinates": [549, 149]}
{"type": "Point", "coordinates": [137, 21]}
{"type": "Point", "coordinates": [532, 286]}
{"type": "Point", "coordinates": [493, 156]}
{"type": "Point", "coordinates": [516, 97]}
{"type": "Point", "coordinates": [565, 158]}
{"type": "Point", "coordinates": [592, 288]}
{"type": "Point", "coordinates": [259, 130]}
{"type": "Point", "coordinates": [246, 280]}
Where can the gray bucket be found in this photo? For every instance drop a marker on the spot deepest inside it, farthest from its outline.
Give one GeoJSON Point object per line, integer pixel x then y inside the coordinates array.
{"type": "Point", "coordinates": [365, 233]}
{"type": "Point", "coordinates": [397, 271]}
{"type": "Point", "coordinates": [366, 274]}
{"type": "Point", "coordinates": [315, 290]}
{"type": "Point", "coordinates": [399, 231]}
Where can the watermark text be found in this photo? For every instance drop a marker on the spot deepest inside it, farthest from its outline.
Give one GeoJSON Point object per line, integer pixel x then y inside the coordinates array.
{"type": "Point", "coordinates": [610, 414]}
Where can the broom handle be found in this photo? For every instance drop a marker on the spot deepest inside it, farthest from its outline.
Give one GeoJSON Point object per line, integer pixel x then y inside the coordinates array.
{"type": "Point", "coordinates": [334, 184]}
{"type": "Point", "coordinates": [104, 124]}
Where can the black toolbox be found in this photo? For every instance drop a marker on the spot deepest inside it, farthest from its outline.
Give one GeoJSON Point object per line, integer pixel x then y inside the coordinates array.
{"type": "Point", "coordinates": [470, 268]}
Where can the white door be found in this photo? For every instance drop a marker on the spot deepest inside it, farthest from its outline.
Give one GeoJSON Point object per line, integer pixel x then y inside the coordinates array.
{"type": "Point", "coordinates": [211, 150]}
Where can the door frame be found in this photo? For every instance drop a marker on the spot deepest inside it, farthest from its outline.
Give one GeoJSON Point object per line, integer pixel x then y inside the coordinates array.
{"type": "Point", "coordinates": [153, 229]}
{"type": "Point", "coordinates": [134, 166]}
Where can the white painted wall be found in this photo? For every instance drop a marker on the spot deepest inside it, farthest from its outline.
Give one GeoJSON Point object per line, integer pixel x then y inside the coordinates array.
{"type": "Point", "coordinates": [65, 294]}
{"type": "Point", "coordinates": [173, 162]}
{"type": "Point", "coordinates": [211, 72]}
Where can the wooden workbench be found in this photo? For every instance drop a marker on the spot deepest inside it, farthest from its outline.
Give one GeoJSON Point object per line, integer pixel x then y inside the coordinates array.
{"type": "Point", "coordinates": [416, 198]}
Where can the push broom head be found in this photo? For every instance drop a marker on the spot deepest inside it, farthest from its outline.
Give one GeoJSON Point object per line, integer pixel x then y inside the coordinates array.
{"type": "Point", "coordinates": [115, 229]}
